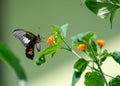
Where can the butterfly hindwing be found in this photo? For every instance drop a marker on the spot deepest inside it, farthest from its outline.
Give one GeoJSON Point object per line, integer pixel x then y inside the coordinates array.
{"type": "Point", "coordinates": [30, 52]}
{"type": "Point", "coordinates": [30, 48]}
{"type": "Point", "coordinates": [29, 40]}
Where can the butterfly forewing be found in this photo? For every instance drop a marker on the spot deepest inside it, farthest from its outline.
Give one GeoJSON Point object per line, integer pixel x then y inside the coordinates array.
{"type": "Point", "coordinates": [29, 40]}
{"type": "Point", "coordinates": [23, 36]}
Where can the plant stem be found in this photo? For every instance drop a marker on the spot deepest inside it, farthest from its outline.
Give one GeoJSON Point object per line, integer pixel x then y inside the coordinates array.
{"type": "Point", "coordinates": [93, 68]}
{"type": "Point", "coordinates": [97, 62]}
{"type": "Point", "coordinates": [102, 73]}
{"type": "Point", "coordinates": [108, 75]}
{"type": "Point", "coordinates": [76, 54]}
{"type": "Point", "coordinates": [69, 48]}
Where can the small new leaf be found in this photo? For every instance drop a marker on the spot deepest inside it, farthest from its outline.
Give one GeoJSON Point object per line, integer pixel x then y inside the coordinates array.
{"type": "Point", "coordinates": [103, 56]}
{"type": "Point", "coordinates": [115, 81]}
{"type": "Point", "coordinates": [56, 28]}
{"type": "Point", "coordinates": [64, 29]}
{"type": "Point", "coordinates": [94, 79]}
{"type": "Point", "coordinates": [61, 31]}
{"type": "Point", "coordinates": [87, 36]}
{"type": "Point", "coordinates": [83, 38]}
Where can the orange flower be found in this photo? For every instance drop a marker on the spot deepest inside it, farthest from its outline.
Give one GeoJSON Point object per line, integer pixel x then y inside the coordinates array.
{"type": "Point", "coordinates": [81, 47]}
{"type": "Point", "coordinates": [51, 40]}
{"type": "Point", "coordinates": [101, 42]}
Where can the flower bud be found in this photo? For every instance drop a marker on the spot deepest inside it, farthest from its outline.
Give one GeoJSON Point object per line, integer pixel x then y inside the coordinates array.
{"type": "Point", "coordinates": [81, 47]}
{"type": "Point", "coordinates": [101, 42]}
{"type": "Point", "coordinates": [51, 40]}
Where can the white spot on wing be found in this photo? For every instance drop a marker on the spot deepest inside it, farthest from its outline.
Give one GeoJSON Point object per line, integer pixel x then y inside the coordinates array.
{"type": "Point", "coordinates": [20, 34]}
{"type": "Point", "coordinates": [25, 40]}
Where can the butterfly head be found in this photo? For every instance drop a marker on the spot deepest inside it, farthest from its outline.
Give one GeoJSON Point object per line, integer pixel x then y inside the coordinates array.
{"type": "Point", "coordinates": [38, 39]}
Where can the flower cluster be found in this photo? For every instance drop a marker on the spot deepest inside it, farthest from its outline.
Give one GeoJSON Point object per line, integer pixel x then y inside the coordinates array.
{"type": "Point", "coordinates": [82, 47]}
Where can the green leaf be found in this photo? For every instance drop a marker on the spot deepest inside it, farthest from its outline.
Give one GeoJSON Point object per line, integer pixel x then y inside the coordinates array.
{"type": "Point", "coordinates": [103, 56]}
{"type": "Point", "coordinates": [86, 37]}
{"type": "Point", "coordinates": [116, 56]}
{"type": "Point", "coordinates": [76, 41]}
{"type": "Point", "coordinates": [7, 56]}
{"type": "Point", "coordinates": [83, 38]}
{"type": "Point", "coordinates": [115, 81]}
{"type": "Point", "coordinates": [64, 29]}
{"type": "Point", "coordinates": [115, 1]}
{"type": "Point", "coordinates": [94, 79]}
{"type": "Point", "coordinates": [48, 51]}
{"type": "Point", "coordinates": [91, 47]}
{"type": "Point", "coordinates": [58, 41]}
{"type": "Point", "coordinates": [79, 66]}
{"type": "Point", "coordinates": [56, 28]}
{"type": "Point", "coordinates": [41, 60]}
{"type": "Point", "coordinates": [112, 17]}
{"type": "Point", "coordinates": [60, 30]}
{"type": "Point", "coordinates": [53, 54]}
{"type": "Point", "coordinates": [103, 8]}
{"type": "Point", "coordinates": [89, 53]}
{"type": "Point", "coordinates": [76, 77]}
{"type": "Point", "coordinates": [94, 47]}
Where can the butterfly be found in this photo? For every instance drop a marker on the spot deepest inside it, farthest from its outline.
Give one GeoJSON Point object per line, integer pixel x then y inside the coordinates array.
{"type": "Point", "coordinates": [29, 40]}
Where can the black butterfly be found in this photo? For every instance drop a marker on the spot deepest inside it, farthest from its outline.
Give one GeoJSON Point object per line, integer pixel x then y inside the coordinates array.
{"type": "Point", "coordinates": [29, 40]}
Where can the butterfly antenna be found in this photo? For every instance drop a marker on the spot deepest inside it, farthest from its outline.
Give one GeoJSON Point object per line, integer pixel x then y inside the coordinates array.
{"type": "Point", "coordinates": [38, 32]}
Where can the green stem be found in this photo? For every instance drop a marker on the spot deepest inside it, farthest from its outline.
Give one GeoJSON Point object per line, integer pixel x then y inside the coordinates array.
{"type": "Point", "coordinates": [102, 73]}
{"type": "Point", "coordinates": [108, 75]}
{"type": "Point", "coordinates": [97, 62]}
{"type": "Point", "coordinates": [91, 49]}
{"type": "Point", "coordinates": [71, 51]}
{"type": "Point", "coordinates": [93, 68]}
{"type": "Point", "coordinates": [76, 54]}
{"type": "Point", "coordinates": [69, 48]}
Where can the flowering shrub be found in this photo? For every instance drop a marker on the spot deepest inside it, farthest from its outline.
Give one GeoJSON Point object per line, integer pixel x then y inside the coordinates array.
{"type": "Point", "coordinates": [86, 43]}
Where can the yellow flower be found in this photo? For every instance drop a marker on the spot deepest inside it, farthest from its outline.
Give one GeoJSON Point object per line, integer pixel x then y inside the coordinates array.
{"type": "Point", "coordinates": [51, 40]}
{"type": "Point", "coordinates": [81, 47]}
{"type": "Point", "coordinates": [101, 42]}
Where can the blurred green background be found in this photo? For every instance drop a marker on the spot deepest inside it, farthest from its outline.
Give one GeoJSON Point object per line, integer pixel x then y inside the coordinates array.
{"type": "Point", "coordinates": [32, 14]}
